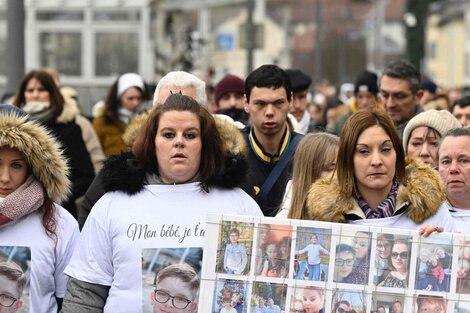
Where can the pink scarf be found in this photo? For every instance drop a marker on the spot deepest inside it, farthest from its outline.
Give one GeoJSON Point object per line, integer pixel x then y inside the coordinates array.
{"type": "Point", "coordinates": [26, 199]}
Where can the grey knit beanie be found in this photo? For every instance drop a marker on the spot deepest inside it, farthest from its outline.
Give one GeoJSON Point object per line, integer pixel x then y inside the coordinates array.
{"type": "Point", "coordinates": [440, 120]}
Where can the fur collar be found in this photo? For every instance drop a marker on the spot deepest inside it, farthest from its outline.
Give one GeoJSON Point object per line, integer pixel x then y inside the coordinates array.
{"type": "Point", "coordinates": [423, 194]}
{"type": "Point", "coordinates": [69, 112]}
{"type": "Point", "coordinates": [122, 172]}
{"type": "Point", "coordinates": [42, 151]}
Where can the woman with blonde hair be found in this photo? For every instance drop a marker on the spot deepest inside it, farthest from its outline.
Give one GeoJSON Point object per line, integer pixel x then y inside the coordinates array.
{"type": "Point", "coordinates": [314, 158]}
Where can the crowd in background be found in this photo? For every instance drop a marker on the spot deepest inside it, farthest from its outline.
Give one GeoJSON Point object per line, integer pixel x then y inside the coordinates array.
{"type": "Point", "coordinates": [389, 149]}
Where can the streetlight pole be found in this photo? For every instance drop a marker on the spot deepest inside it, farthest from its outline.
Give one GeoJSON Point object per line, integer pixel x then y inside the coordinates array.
{"type": "Point", "coordinates": [250, 36]}
{"type": "Point", "coordinates": [15, 45]}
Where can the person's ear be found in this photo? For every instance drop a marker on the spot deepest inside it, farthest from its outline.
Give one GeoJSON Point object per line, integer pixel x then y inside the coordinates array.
{"type": "Point", "coordinates": [192, 307]}
{"type": "Point", "coordinates": [246, 106]}
{"type": "Point", "coordinates": [152, 297]}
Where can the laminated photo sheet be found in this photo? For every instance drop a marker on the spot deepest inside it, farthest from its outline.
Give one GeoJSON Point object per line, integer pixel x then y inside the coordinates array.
{"type": "Point", "coordinates": [250, 263]}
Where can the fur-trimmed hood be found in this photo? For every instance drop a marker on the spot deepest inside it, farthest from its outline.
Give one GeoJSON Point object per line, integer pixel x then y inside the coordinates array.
{"type": "Point", "coordinates": [122, 172]}
{"type": "Point", "coordinates": [42, 151]}
{"type": "Point", "coordinates": [420, 198]}
{"type": "Point", "coordinates": [69, 111]}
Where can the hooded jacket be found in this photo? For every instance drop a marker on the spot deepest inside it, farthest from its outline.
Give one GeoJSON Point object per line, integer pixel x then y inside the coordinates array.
{"type": "Point", "coordinates": [49, 255]}
{"type": "Point", "coordinates": [418, 201]}
{"type": "Point", "coordinates": [43, 153]}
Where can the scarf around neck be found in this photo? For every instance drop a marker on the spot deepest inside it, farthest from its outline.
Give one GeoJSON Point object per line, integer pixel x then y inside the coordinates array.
{"type": "Point", "coordinates": [24, 200]}
{"type": "Point", "coordinates": [39, 111]}
{"type": "Point", "coordinates": [384, 209]}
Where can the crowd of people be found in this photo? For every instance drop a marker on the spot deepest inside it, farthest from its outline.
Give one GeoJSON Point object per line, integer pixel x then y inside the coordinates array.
{"type": "Point", "coordinates": [387, 153]}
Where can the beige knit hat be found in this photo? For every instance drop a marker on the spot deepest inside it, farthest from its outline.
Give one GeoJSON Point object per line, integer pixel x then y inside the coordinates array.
{"type": "Point", "coordinates": [440, 120]}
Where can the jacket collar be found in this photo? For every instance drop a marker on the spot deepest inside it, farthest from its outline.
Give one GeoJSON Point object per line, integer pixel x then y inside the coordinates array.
{"type": "Point", "coordinates": [259, 151]}
{"type": "Point", "coordinates": [326, 203]}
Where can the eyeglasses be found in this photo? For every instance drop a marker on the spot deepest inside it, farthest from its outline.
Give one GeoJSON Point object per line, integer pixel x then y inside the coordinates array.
{"type": "Point", "coordinates": [6, 300]}
{"type": "Point", "coordinates": [403, 255]}
{"type": "Point", "coordinates": [341, 310]}
{"type": "Point", "coordinates": [178, 302]}
{"type": "Point", "coordinates": [341, 262]}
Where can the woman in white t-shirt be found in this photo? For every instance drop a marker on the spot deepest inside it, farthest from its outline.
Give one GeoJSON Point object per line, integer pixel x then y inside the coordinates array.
{"type": "Point", "coordinates": [182, 168]}
{"type": "Point", "coordinates": [33, 177]}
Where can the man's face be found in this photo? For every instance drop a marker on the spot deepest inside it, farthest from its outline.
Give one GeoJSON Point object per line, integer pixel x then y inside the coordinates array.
{"type": "Point", "coordinates": [299, 104]}
{"type": "Point", "coordinates": [398, 99]}
{"type": "Point", "coordinates": [268, 110]}
{"type": "Point", "coordinates": [454, 168]}
{"type": "Point", "coordinates": [462, 114]}
{"type": "Point", "coordinates": [397, 308]}
{"type": "Point", "coordinates": [8, 296]}
{"type": "Point", "coordinates": [231, 100]}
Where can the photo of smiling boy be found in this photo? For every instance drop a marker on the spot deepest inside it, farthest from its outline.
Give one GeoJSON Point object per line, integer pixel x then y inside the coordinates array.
{"type": "Point", "coordinates": [344, 262]}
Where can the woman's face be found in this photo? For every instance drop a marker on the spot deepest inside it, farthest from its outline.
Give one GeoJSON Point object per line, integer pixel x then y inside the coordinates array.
{"type": "Point", "coordinates": [131, 99]}
{"type": "Point", "coordinates": [400, 257]}
{"type": "Point", "coordinates": [13, 170]}
{"type": "Point", "coordinates": [271, 251]}
{"type": "Point", "coordinates": [423, 144]}
{"type": "Point", "coordinates": [313, 300]}
{"type": "Point", "coordinates": [344, 265]}
{"type": "Point", "coordinates": [383, 248]}
{"type": "Point", "coordinates": [178, 146]}
{"type": "Point", "coordinates": [35, 92]}
{"type": "Point", "coordinates": [361, 242]}
{"type": "Point", "coordinates": [374, 161]}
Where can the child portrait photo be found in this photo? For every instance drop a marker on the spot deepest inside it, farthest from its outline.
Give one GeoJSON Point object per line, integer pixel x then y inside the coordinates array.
{"type": "Point", "coordinates": [312, 254]}
{"type": "Point", "coordinates": [171, 279]}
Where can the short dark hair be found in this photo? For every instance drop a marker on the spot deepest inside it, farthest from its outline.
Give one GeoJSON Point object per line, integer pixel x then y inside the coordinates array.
{"type": "Point", "coordinates": [462, 102]}
{"type": "Point", "coordinates": [353, 128]}
{"type": "Point", "coordinates": [47, 81]}
{"type": "Point", "coordinates": [268, 76]}
{"type": "Point", "coordinates": [234, 231]}
{"type": "Point", "coordinates": [212, 153]}
{"type": "Point", "coordinates": [345, 248]}
{"type": "Point", "coordinates": [403, 69]}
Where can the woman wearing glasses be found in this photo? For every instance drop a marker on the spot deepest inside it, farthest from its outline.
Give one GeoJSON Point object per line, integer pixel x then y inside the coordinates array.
{"type": "Point", "coordinates": [398, 276]}
{"type": "Point", "coordinates": [374, 185]}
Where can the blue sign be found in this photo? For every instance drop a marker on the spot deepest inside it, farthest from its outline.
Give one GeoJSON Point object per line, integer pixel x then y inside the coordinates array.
{"type": "Point", "coordinates": [225, 41]}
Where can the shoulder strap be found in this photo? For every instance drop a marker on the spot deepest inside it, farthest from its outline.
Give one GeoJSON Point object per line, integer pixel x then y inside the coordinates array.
{"type": "Point", "coordinates": [278, 168]}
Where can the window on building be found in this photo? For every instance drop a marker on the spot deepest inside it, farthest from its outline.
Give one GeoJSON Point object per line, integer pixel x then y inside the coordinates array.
{"type": "Point", "coordinates": [116, 53]}
{"type": "Point", "coordinates": [62, 51]}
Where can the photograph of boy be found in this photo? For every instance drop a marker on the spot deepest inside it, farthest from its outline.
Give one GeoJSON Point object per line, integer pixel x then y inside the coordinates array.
{"type": "Point", "coordinates": [273, 250]}
{"type": "Point", "coordinates": [229, 296]}
{"type": "Point", "coordinates": [434, 266]}
{"type": "Point", "coordinates": [314, 250]}
{"type": "Point", "coordinates": [308, 300]}
{"type": "Point", "coordinates": [235, 257]}
{"type": "Point", "coordinates": [426, 304]}
{"type": "Point", "coordinates": [170, 279]}
{"type": "Point", "coordinates": [273, 294]}
{"type": "Point", "coordinates": [345, 257]}
{"type": "Point", "coordinates": [176, 290]}
{"type": "Point", "coordinates": [12, 284]}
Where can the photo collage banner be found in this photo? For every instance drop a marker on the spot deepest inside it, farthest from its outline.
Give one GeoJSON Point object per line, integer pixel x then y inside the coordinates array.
{"type": "Point", "coordinates": [265, 265]}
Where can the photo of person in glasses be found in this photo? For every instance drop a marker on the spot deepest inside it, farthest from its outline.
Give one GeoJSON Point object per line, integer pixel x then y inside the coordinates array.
{"type": "Point", "coordinates": [12, 283]}
{"type": "Point", "coordinates": [399, 257]}
{"type": "Point", "coordinates": [345, 257]}
{"type": "Point", "coordinates": [176, 290]}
